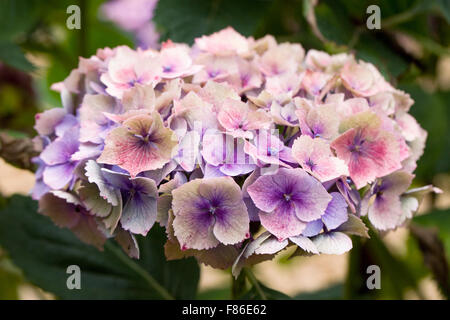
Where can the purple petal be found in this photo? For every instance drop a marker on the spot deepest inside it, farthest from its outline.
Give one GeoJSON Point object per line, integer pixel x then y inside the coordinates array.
{"type": "Point", "coordinates": [86, 151]}
{"type": "Point", "coordinates": [265, 193]}
{"type": "Point", "coordinates": [336, 212]}
{"type": "Point", "coordinates": [313, 228]}
{"type": "Point", "coordinates": [140, 210]}
{"type": "Point", "coordinates": [68, 122]}
{"type": "Point", "coordinates": [59, 176]}
{"type": "Point", "coordinates": [61, 150]}
{"type": "Point", "coordinates": [208, 212]}
{"type": "Point", "coordinates": [282, 222]}
{"type": "Point", "coordinates": [310, 197]}
{"type": "Point", "coordinates": [39, 189]}
{"type": "Point", "coordinates": [213, 171]}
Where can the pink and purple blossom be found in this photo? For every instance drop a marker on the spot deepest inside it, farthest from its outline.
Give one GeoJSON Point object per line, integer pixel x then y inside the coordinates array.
{"type": "Point", "coordinates": [232, 132]}
{"type": "Point", "coordinates": [209, 212]}
{"type": "Point", "coordinates": [288, 200]}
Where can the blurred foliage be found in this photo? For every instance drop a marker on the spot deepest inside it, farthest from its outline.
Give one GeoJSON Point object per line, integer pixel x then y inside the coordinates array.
{"type": "Point", "coordinates": [175, 18]}
{"type": "Point", "coordinates": [396, 277]}
{"type": "Point", "coordinates": [10, 278]}
{"type": "Point", "coordinates": [44, 251]}
{"type": "Point", "coordinates": [333, 292]}
{"type": "Point", "coordinates": [440, 220]}
{"type": "Point", "coordinates": [412, 50]}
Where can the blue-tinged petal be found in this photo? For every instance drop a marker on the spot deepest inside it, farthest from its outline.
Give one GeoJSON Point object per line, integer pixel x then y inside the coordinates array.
{"type": "Point", "coordinates": [313, 228]}
{"type": "Point", "coordinates": [59, 176]}
{"type": "Point", "coordinates": [336, 212]}
{"type": "Point", "coordinates": [140, 209]}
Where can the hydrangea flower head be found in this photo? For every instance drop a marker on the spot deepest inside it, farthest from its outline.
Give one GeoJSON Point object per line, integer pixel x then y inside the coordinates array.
{"type": "Point", "coordinates": [233, 131]}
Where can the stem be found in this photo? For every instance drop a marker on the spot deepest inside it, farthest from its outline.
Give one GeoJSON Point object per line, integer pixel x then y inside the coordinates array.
{"type": "Point", "coordinates": [251, 277]}
{"type": "Point", "coordinates": [387, 23]}
{"type": "Point", "coordinates": [237, 286]}
{"type": "Point", "coordinates": [140, 271]}
{"type": "Point", "coordinates": [400, 18]}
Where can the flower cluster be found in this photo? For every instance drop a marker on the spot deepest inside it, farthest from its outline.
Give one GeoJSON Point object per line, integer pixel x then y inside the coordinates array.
{"type": "Point", "coordinates": [238, 147]}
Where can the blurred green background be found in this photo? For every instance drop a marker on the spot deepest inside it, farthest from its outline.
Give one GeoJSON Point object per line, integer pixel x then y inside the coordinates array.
{"type": "Point", "coordinates": [412, 50]}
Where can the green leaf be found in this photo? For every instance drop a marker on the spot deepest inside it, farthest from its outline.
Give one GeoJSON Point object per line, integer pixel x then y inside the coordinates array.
{"type": "Point", "coordinates": [260, 291]}
{"type": "Point", "coordinates": [44, 251]}
{"type": "Point", "coordinates": [182, 21]}
{"type": "Point", "coordinates": [430, 110]}
{"type": "Point", "coordinates": [443, 7]}
{"type": "Point", "coordinates": [17, 17]}
{"type": "Point", "coordinates": [215, 294]}
{"type": "Point", "coordinates": [270, 294]}
{"type": "Point", "coordinates": [333, 22]}
{"type": "Point", "coordinates": [13, 56]}
{"type": "Point", "coordinates": [334, 292]}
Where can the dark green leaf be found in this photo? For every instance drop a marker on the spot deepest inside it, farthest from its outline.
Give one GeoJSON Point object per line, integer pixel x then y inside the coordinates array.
{"type": "Point", "coordinates": [334, 292]}
{"type": "Point", "coordinates": [270, 294]}
{"type": "Point", "coordinates": [13, 56]}
{"type": "Point", "coordinates": [443, 7]}
{"type": "Point", "coordinates": [182, 21]}
{"type": "Point", "coordinates": [334, 22]}
{"type": "Point", "coordinates": [370, 48]}
{"type": "Point", "coordinates": [44, 251]}
{"type": "Point", "coordinates": [430, 110]}
{"type": "Point", "coordinates": [17, 17]}
{"type": "Point", "coordinates": [215, 294]}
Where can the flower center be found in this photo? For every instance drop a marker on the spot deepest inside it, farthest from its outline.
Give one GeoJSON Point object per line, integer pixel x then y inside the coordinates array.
{"type": "Point", "coordinates": [310, 164]}
{"type": "Point", "coordinates": [287, 197]}
{"type": "Point", "coordinates": [133, 82]}
{"type": "Point", "coordinates": [272, 151]}
{"type": "Point", "coordinates": [358, 145]}
{"type": "Point", "coordinates": [213, 73]}
{"type": "Point", "coordinates": [167, 69]}
{"type": "Point", "coordinates": [212, 210]}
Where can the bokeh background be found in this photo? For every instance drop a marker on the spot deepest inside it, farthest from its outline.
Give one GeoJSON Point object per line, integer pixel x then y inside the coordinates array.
{"type": "Point", "coordinates": [412, 50]}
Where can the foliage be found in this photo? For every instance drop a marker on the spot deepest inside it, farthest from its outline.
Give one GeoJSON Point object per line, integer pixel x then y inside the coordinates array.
{"type": "Point", "coordinates": [32, 28]}
{"type": "Point", "coordinates": [44, 251]}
